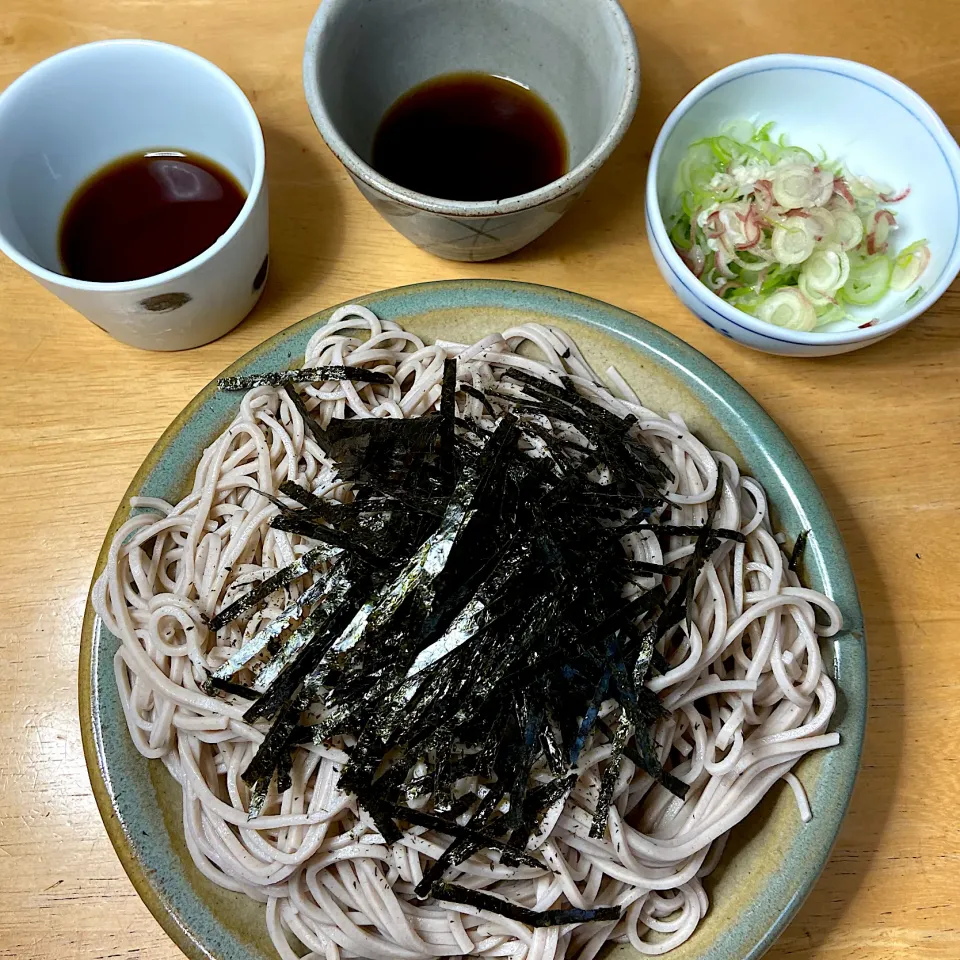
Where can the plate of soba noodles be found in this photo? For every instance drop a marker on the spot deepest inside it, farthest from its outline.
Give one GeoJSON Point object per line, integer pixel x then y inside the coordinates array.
{"type": "Point", "coordinates": [473, 619]}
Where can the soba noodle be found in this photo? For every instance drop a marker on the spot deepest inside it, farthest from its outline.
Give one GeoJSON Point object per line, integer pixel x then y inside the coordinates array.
{"type": "Point", "coordinates": [747, 689]}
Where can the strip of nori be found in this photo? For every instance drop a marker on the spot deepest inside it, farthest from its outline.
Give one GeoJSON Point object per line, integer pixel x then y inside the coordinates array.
{"type": "Point", "coordinates": [590, 716]}
{"type": "Point", "coordinates": [260, 789]}
{"type": "Point", "coordinates": [320, 507]}
{"type": "Point", "coordinates": [263, 638]}
{"type": "Point", "coordinates": [314, 428]}
{"type": "Point", "coordinates": [678, 530]}
{"type": "Point", "coordinates": [642, 566]}
{"type": "Point", "coordinates": [343, 587]}
{"type": "Point", "coordinates": [425, 565]}
{"type": "Point", "coordinates": [626, 612]}
{"type": "Point", "coordinates": [448, 416]}
{"type": "Point", "coordinates": [796, 555]}
{"type": "Point", "coordinates": [643, 708]}
{"type": "Point", "coordinates": [552, 749]}
{"type": "Point", "coordinates": [678, 604]}
{"type": "Point", "coordinates": [277, 378]}
{"type": "Point", "coordinates": [299, 568]}
{"type": "Point", "coordinates": [609, 446]}
{"type": "Point", "coordinates": [334, 512]}
{"type": "Point", "coordinates": [472, 391]}
{"type": "Point", "coordinates": [274, 752]}
{"type": "Point", "coordinates": [303, 635]}
{"type": "Point", "coordinates": [453, 829]}
{"type": "Point", "coordinates": [276, 501]}
{"type": "Point", "coordinates": [538, 802]}
{"type": "Point", "coordinates": [602, 418]}
{"type": "Point", "coordinates": [238, 690]}
{"type": "Point", "coordinates": [474, 617]}
{"type": "Point", "coordinates": [303, 526]}
{"type": "Point", "coordinates": [390, 428]}
{"type": "Point", "coordinates": [642, 646]}
{"type": "Point", "coordinates": [629, 750]}
{"type": "Point", "coordinates": [430, 561]}
{"type": "Point", "coordinates": [258, 796]}
{"type": "Point", "coordinates": [453, 893]}
{"type": "Point", "coordinates": [659, 662]}
{"type": "Point", "coordinates": [461, 849]}
{"type": "Point", "coordinates": [608, 781]}
{"type": "Point", "coordinates": [563, 452]}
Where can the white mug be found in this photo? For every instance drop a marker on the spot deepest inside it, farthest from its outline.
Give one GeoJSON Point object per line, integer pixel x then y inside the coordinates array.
{"type": "Point", "coordinates": [71, 115]}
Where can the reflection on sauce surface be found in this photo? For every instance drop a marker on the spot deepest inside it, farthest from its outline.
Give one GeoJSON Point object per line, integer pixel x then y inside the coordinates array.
{"type": "Point", "coordinates": [144, 214]}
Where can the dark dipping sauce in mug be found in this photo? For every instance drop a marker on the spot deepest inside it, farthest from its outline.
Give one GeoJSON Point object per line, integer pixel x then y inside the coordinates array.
{"type": "Point", "coordinates": [146, 213]}
{"type": "Point", "coordinates": [470, 136]}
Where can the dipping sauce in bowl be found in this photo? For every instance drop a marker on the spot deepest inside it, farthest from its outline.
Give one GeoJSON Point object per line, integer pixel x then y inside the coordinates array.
{"type": "Point", "coordinates": [146, 213]}
{"type": "Point", "coordinates": [470, 136]}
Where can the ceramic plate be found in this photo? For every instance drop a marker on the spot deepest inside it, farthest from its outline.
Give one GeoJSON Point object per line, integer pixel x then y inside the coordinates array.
{"type": "Point", "coordinates": [772, 860]}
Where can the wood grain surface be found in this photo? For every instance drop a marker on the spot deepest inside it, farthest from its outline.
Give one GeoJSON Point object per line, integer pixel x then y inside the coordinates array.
{"type": "Point", "coordinates": [880, 430]}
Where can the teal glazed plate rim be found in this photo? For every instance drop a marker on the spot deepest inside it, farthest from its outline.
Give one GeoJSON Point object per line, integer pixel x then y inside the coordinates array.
{"type": "Point", "coordinates": [772, 861]}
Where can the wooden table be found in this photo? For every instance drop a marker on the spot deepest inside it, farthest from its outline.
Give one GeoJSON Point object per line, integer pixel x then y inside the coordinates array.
{"type": "Point", "coordinates": [878, 428]}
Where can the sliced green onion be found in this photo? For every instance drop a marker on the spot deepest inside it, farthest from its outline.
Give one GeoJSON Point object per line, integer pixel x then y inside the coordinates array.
{"type": "Point", "coordinates": [788, 308]}
{"type": "Point", "coordinates": [869, 280]}
{"type": "Point", "coordinates": [740, 131]}
{"type": "Point", "coordinates": [794, 185]}
{"type": "Point", "coordinates": [698, 167]}
{"type": "Point", "coordinates": [862, 188]}
{"type": "Point", "coordinates": [723, 186]}
{"type": "Point", "coordinates": [792, 241]}
{"type": "Point", "coordinates": [722, 148]}
{"type": "Point", "coordinates": [910, 250]}
{"type": "Point", "coordinates": [847, 229]}
{"type": "Point", "coordinates": [909, 266]}
{"type": "Point", "coordinates": [790, 154]}
{"type": "Point", "coordinates": [785, 236]}
{"type": "Point", "coordinates": [769, 150]}
{"type": "Point", "coordinates": [780, 275]}
{"type": "Point", "coordinates": [826, 270]}
{"type": "Point", "coordinates": [818, 298]}
{"type": "Point", "coordinates": [680, 235]}
{"type": "Point", "coordinates": [764, 132]}
{"type": "Point", "coordinates": [830, 314]}
{"type": "Point", "coordinates": [881, 222]}
{"type": "Point", "coordinates": [825, 222]}
{"type": "Point", "coordinates": [914, 297]}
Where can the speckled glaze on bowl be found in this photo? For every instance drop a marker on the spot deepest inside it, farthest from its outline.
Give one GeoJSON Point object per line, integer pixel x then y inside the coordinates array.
{"type": "Point", "coordinates": [772, 860]}
{"type": "Point", "coordinates": [579, 55]}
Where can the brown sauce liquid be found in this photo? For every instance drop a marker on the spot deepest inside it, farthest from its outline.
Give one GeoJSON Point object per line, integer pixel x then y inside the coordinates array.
{"type": "Point", "coordinates": [144, 214]}
{"type": "Point", "coordinates": [470, 136]}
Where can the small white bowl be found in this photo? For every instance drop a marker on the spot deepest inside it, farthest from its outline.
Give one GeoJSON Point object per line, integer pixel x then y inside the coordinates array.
{"type": "Point", "coordinates": [875, 125]}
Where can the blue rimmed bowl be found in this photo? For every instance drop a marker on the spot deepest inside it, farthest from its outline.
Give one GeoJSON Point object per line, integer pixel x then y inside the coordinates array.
{"type": "Point", "coordinates": [772, 860]}
{"type": "Point", "coordinates": [874, 124]}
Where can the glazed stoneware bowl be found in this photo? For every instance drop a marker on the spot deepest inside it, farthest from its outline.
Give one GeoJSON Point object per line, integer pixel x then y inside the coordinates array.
{"type": "Point", "coordinates": [578, 55]}
{"type": "Point", "coordinates": [874, 125]}
{"type": "Point", "coordinates": [772, 860]}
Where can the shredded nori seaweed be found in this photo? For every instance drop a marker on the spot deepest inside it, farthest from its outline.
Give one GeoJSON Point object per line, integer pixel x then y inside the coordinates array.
{"type": "Point", "coordinates": [454, 893]}
{"type": "Point", "coordinates": [316, 431]}
{"type": "Point", "coordinates": [480, 612]}
{"type": "Point", "coordinates": [276, 378]}
{"type": "Point", "coordinates": [796, 555]}
{"type": "Point", "coordinates": [262, 590]}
